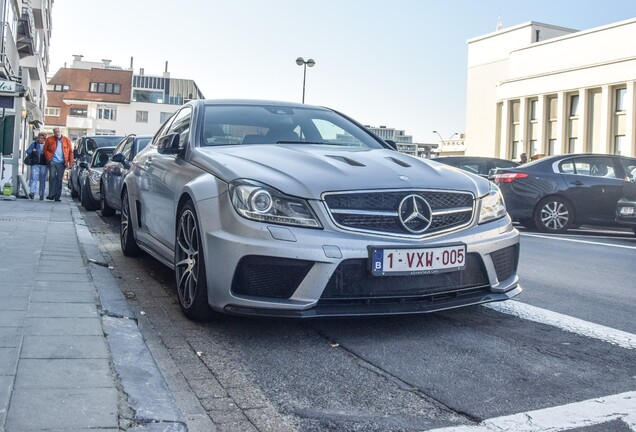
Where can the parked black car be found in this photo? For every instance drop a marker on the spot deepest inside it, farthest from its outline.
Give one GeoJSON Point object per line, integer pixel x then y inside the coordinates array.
{"type": "Point", "coordinates": [556, 193]}
{"type": "Point", "coordinates": [115, 171]}
{"type": "Point", "coordinates": [626, 206]}
{"type": "Point", "coordinates": [483, 166]}
{"type": "Point", "coordinates": [83, 152]}
{"type": "Point", "coordinates": [90, 175]}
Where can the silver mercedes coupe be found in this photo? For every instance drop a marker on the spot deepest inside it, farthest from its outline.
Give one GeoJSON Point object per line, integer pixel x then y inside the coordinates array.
{"type": "Point", "coordinates": [290, 210]}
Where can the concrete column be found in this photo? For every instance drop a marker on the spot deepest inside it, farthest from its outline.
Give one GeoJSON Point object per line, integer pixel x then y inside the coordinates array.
{"type": "Point", "coordinates": [542, 125]}
{"type": "Point", "coordinates": [504, 146]}
{"type": "Point", "coordinates": [561, 124]}
{"type": "Point", "coordinates": [606, 120]}
{"type": "Point", "coordinates": [523, 125]}
{"type": "Point", "coordinates": [584, 116]}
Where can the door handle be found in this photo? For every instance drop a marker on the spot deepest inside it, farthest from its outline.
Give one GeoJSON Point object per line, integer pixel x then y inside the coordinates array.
{"type": "Point", "coordinates": [577, 183]}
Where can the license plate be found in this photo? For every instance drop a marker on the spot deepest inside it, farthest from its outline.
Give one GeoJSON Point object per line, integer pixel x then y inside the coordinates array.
{"type": "Point", "coordinates": [417, 261]}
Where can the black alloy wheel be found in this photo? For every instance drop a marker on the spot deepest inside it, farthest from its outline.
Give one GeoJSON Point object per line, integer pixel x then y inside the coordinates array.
{"type": "Point", "coordinates": [553, 215]}
{"type": "Point", "coordinates": [127, 240]}
{"type": "Point", "coordinates": [74, 193]}
{"type": "Point", "coordinates": [103, 205]}
{"type": "Point", "coordinates": [192, 287]}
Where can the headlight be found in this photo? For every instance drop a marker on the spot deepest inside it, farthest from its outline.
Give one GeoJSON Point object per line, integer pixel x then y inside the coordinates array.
{"type": "Point", "coordinates": [94, 177]}
{"type": "Point", "coordinates": [492, 206]}
{"type": "Point", "coordinates": [259, 202]}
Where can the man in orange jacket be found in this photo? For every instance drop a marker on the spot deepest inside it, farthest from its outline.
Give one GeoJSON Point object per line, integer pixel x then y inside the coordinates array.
{"type": "Point", "coordinates": [58, 151]}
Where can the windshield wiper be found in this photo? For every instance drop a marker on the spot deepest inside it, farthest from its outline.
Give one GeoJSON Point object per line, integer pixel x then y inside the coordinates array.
{"type": "Point", "coordinates": [301, 142]}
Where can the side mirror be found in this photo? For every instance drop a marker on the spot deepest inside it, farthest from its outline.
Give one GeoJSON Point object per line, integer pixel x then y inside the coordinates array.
{"type": "Point", "coordinates": [169, 144]}
{"type": "Point", "coordinates": [83, 165]}
{"type": "Point", "coordinates": [392, 143]}
{"type": "Point", "coordinates": [118, 157]}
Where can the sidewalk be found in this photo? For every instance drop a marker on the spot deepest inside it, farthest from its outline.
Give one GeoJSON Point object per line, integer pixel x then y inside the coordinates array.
{"type": "Point", "coordinates": [71, 355]}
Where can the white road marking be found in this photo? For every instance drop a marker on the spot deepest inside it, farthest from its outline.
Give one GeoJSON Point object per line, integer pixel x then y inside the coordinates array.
{"type": "Point", "coordinates": [565, 322]}
{"type": "Point", "coordinates": [562, 418]}
{"type": "Point", "coordinates": [579, 241]}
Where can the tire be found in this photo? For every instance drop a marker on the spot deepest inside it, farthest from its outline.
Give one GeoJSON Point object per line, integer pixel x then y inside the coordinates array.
{"type": "Point", "coordinates": [103, 205]}
{"type": "Point", "coordinates": [74, 193]}
{"type": "Point", "coordinates": [129, 245]}
{"type": "Point", "coordinates": [190, 272]}
{"type": "Point", "coordinates": [553, 215]}
{"type": "Point", "coordinates": [87, 197]}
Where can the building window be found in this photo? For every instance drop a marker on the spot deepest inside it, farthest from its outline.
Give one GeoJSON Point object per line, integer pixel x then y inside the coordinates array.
{"type": "Point", "coordinates": [100, 87]}
{"type": "Point", "coordinates": [106, 112]}
{"type": "Point", "coordinates": [574, 105]}
{"type": "Point", "coordinates": [52, 111]}
{"type": "Point", "coordinates": [573, 146]}
{"type": "Point", "coordinates": [78, 112]}
{"type": "Point", "coordinates": [620, 99]}
{"type": "Point", "coordinates": [516, 150]}
{"type": "Point", "coordinates": [533, 110]}
{"type": "Point", "coordinates": [142, 117]}
{"type": "Point", "coordinates": [620, 145]}
{"type": "Point", "coordinates": [58, 87]}
{"type": "Point", "coordinates": [534, 148]}
{"type": "Point", "coordinates": [551, 146]}
{"type": "Point", "coordinates": [164, 116]}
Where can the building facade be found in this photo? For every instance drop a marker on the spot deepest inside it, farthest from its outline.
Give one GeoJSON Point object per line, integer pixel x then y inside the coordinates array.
{"type": "Point", "coordinates": [97, 98]}
{"type": "Point", "coordinates": [541, 90]}
{"type": "Point", "coordinates": [25, 31]}
{"type": "Point", "coordinates": [404, 142]}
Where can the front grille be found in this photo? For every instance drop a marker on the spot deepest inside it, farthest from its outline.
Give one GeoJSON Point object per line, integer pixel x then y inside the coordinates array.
{"type": "Point", "coordinates": [505, 261]}
{"type": "Point", "coordinates": [273, 277]}
{"type": "Point", "coordinates": [378, 211]}
{"type": "Point", "coordinates": [353, 280]}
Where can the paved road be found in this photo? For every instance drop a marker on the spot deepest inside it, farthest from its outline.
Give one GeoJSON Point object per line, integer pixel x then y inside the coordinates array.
{"type": "Point", "coordinates": [545, 357]}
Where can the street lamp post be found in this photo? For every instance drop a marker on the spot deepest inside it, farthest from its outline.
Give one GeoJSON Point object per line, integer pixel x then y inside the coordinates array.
{"type": "Point", "coordinates": [301, 62]}
{"type": "Point", "coordinates": [442, 139]}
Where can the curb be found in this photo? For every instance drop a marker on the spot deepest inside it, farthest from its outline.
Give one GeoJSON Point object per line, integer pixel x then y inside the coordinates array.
{"type": "Point", "coordinates": [148, 395]}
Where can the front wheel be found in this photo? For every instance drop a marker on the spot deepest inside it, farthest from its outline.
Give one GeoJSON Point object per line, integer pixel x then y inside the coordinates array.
{"type": "Point", "coordinates": [190, 272]}
{"type": "Point", "coordinates": [553, 215]}
{"type": "Point", "coordinates": [87, 196]}
{"type": "Point", "coordinates": [104, 207]}
{"type": "Point", "coordinates": [126, 235]}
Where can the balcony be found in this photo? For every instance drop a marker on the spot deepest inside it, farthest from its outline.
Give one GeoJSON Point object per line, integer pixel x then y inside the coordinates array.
{"type": "Point", "coordinates": [9, 57]}
{"type": "Point", "coordinates": [39, 13]}
{"type": "Point", "coordinates": [35, 67]}
{"type": "Point", "coordinates": [76, 122]}
{"type": "Point", "coordinates": [26, 33]}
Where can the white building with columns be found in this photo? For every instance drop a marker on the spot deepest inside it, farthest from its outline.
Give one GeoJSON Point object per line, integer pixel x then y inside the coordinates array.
{"type": "Point", "coordinates": [542, 89]}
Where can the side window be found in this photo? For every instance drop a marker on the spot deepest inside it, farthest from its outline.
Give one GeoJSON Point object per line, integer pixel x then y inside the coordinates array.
{"type": "Point", "coordinates": [127, 147]}
{"type": "Point", "coordinates": [567, 167]}
{"type": "Point", "coordinates": [163, 130]}
{"type": "Point", "coordinates": [629, 166]}
{"type": "Point", "coordinates": [595, 166]}
{"type": "Point", "coordinates": [181, 125]}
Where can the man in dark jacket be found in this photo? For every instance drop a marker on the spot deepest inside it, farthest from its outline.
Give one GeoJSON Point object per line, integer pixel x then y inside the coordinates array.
{"type": "Point", "coordinates": [58, 151]}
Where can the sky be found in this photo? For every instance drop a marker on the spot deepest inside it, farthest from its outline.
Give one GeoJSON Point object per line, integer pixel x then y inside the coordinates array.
{"type": "Point", "coordinates": [394, 63]}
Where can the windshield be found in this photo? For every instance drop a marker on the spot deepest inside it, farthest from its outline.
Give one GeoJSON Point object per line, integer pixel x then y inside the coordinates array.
{"type": "Point", "coordinates": [95, 142]}
{"type": "Point", "coordinates": [264, 124]}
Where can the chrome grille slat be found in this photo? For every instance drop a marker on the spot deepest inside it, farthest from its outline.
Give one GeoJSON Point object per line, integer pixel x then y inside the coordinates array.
{"type": "Point", "coordinates": [378, 211]}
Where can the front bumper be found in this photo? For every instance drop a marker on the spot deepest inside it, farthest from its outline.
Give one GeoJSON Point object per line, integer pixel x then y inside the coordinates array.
{"type": "Point", "coordinates": [300, 272]}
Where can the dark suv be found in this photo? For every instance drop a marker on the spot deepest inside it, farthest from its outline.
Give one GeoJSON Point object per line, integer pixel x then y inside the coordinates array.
{"type": "Point", "coordinates": [83, 152]}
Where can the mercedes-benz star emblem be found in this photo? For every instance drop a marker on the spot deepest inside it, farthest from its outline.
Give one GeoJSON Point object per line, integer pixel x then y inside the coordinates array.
{"type": "Point", "coordinates": [415, 214]}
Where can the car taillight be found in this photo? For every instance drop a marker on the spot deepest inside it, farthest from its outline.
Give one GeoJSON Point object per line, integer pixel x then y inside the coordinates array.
{"type": "Point", "coordinates": [509, 177]}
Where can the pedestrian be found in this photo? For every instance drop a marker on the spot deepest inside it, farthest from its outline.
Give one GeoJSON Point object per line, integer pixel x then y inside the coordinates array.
{"type": "Point", "coordinates": [39, 167]}
{"type": "Point", "coordinates": [523, 158]}
{"type": "Point", "coordinates": [59, 155]}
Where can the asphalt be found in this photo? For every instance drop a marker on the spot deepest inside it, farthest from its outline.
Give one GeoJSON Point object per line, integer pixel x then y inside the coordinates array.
{"type": "Point", "coordinates": [71, 354]}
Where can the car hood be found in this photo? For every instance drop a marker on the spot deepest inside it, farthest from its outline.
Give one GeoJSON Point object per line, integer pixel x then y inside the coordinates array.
{"type": "Point", "coordinates": [309, 170]}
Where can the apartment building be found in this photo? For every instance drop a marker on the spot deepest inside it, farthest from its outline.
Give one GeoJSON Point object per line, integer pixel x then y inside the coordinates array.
{"type": "Point", "coordinates": [404, 142]}
{"type": "Point", "coordinates": [541, 89]}
{"type": "Point", "coordinates": [25, 31]}
{"type": "Point", "coordinates": [98, 98]}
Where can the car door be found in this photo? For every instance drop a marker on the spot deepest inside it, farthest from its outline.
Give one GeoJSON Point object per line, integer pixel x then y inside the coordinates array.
{"type": "Point", "coordinates": [164, 172]}
{"type": "Point", "coordinates": [594, 186]}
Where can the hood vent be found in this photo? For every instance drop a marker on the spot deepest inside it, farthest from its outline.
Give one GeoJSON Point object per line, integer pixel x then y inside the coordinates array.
{"type": "Point", "coordinates": [347, 160]}
{"type": "Point", "coordinates": [399, 162]}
